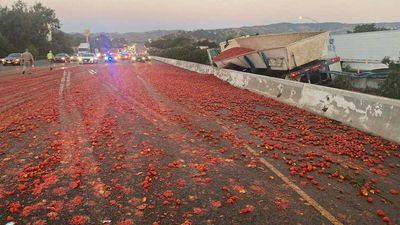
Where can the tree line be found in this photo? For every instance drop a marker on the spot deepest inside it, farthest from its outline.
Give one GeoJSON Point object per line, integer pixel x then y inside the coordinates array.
{"type": "Point", "coordinates": [361, 28]}
{"type": "Point", "coordinates": [181, 47]}
{"type": "Point", "coordinates": [23, 26]}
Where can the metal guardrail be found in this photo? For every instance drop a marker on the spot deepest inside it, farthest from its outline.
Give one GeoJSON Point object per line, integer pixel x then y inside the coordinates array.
{"type": "Point", "coordinates": [368, 74]}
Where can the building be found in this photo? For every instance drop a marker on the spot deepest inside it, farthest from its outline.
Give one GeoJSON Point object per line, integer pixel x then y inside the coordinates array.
{"type": "Point", "coordinates": [365, 51]}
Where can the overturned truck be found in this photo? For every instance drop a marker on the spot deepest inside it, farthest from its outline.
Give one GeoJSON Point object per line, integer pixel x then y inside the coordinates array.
{"type": "Point", "coordinates": [297, 56]}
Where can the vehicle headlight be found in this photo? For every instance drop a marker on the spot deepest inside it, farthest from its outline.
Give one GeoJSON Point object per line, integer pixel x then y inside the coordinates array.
{"type": "Point", "coordinates": [63, 58]}
{"type": "Point", "coordinates": [143, 58]}
{"type": "Point", "coordinates": [98, 55]}
{"type": "Point", "coordinates": [17, 60]}
{"type": "Point", "coordinates": [134, 58]}
{"type": "Point", "coordinates": [80, 58]}
{"type": "Point", "coordinates": [105, 57]}
{"type": "Point", "coordinates": [149, 57]}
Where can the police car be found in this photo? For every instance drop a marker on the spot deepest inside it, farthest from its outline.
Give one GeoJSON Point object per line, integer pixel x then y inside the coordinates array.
{"type": "Point", "coordinates": [87, 58]}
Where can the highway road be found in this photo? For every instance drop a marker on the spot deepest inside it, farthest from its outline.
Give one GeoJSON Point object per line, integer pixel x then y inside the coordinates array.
{"type": "Point", "coordinates": [154, 144]}
{"type": "Point", "coordinates": [39, 64]}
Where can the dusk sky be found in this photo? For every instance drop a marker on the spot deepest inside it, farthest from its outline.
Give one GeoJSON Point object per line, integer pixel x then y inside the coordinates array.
{"type": "Point", "coordinates": [146, 15]}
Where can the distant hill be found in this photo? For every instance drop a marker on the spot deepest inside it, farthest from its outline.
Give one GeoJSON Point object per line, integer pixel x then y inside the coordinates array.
{"type": "Point", "coordinates": [219, 35]}
{"type": "Point", "coordinates": [141, 37]}
{"type": "Point", "coordinates": [145, 36]}
{"type": "Point", "coordinates": [222, 34]}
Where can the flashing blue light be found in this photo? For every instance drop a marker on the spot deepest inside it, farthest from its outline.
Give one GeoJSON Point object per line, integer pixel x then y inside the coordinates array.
{"type": "Point", "coordinates": [110, 59]}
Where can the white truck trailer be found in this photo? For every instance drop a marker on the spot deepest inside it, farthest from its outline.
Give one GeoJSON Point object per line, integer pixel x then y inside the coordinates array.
{"type": "Point", "coordinates": [84, 48]}
{"type": "Point", "coordinates": [279, 52]}
{"type": "Point", "coordinates": [294, 56]}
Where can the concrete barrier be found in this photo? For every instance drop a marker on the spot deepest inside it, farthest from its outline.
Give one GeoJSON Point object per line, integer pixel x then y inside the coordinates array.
{"type": "Point", "coordinates": [377, 115]}
{"type": "Point", "coordinates": [367, 83]}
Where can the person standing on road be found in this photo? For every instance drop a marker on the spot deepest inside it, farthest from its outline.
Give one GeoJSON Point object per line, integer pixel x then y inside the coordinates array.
{"type": "Point", "coordinates": [50, 58]}
{"type": "Point", "coordinates": [27, 59]}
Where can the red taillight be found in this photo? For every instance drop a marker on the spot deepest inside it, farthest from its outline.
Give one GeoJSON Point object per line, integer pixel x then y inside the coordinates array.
{"type": "Point", "coordinates": [315, 68]}
{"type": "Point", "coordinates": [294, 74]}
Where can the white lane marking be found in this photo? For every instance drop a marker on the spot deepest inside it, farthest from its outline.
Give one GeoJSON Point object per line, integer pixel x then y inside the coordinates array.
{"type": "Point", "coordinates": [293, 186]}
{"type": "Point", "coordinates": [325, 213]}
{"type": "Point", "coordinates": [68, 79]}
{"type": "Point", "coordinates": [93, 72]}
{"type": "Point", "coordinates": [62, 83]}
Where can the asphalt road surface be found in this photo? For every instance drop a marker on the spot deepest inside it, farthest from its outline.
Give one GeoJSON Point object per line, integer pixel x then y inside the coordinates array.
{"type": "Point", "coordinates": [154, 144]}
{"type": "Point", "coordinates": [38, 64]}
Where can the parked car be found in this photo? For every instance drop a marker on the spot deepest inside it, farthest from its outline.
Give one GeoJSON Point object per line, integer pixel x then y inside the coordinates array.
{"type": "Point", "coordinates": [110, 58]}
{"type": "Point", "coordinates": [74, 58]}
{"type": "Point", "coordinates": [62, 57]}
{"type": "Point", "coordinates": [141, 58]}
{"type": "Point", "coordinates": [88, 58]}
{"type": "Point", "coordinates": [12, 59]}
{"type": "Point", "coordinates": [124, 56]}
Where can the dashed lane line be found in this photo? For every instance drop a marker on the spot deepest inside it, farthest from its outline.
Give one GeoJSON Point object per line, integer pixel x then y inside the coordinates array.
{"type": "Point", "coordinates": [62, 83]}
{"type": "Point", "coordinates": [325, 213]}
{"type": "Point", "coordinates": [68, 82]}
{"type": "Point", "coordinates": [93, 72]}
{"type": "Point", "coordinates": [293, 186]}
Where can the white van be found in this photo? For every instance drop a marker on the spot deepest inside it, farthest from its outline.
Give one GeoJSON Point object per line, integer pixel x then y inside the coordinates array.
{"type": "Point", "coordinates": [83, 48]}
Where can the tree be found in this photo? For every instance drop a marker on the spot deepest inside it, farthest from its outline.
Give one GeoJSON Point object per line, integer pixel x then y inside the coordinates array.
{"type": "Point", "coordinates": [23, 26]}
{"type": "Point", "coordinates": [101, 42]}
{"type": "Point", "coordinates": [342, 82]}
{"type": "Point", "coordinates": [118, 42]}
{"type": "Point", "coordinates": [386, 60]}
{"type": "Point", "coordinates": [367, 28]}
{"type": "Point", "coordinates": [391, 87]}
{"type": "Point", "coordinates": [171, 42]}
{"type": "Point", "coordinates": [207, 43]}
{"type": "Point", "coordinates": [191, 54]}
{"type": "Point", "coordinates": [61, 42]}
{"type": "Point", "coordinates": [77, 38]}
{"type": "Point", "coordinates": [181, 47]}
{"type": "Point", "coordinates": [5, 46]}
